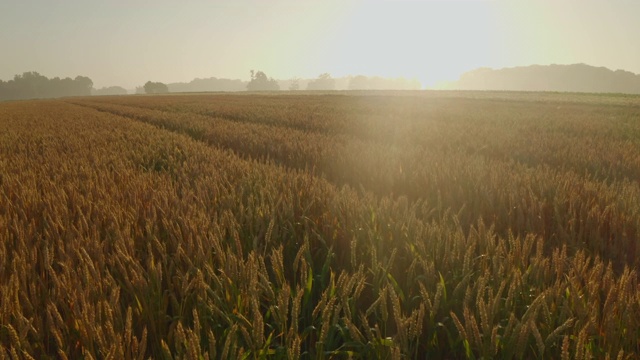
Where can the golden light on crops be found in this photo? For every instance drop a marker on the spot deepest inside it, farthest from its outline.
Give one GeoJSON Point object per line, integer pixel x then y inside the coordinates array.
{"type": "Point", "coordinates": [216, 226]}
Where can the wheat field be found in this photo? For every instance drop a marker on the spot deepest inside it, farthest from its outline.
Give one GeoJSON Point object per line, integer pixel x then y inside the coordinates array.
{"type": "Point", "coordinates": [406, 225]}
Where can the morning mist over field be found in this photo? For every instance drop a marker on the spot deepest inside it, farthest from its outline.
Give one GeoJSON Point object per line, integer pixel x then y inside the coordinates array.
{"type": "Point", "coordinates": [127, 43]}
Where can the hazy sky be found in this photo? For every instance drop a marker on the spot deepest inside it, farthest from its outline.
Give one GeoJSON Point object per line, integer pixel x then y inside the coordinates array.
{"type": "Point", "coordinates": [126, 43]}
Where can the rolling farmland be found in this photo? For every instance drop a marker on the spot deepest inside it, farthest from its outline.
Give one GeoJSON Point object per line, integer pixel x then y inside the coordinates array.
{"type": "Point", "coordinates": [365, 225]}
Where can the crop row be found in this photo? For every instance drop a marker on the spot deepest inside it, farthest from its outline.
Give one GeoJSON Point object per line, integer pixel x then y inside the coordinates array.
{"type": "Point", "coordinates": [572, 205]}
{"type": "Point", "coordinates": [120, 239]}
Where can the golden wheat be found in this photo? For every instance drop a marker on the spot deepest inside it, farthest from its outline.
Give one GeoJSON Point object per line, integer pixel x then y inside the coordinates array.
{"type": "Point", "coordinates": [228, 226]}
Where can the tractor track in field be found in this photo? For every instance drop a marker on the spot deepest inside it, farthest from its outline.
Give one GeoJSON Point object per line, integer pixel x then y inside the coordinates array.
{"type": "Point", "coordinates": [211, 140]}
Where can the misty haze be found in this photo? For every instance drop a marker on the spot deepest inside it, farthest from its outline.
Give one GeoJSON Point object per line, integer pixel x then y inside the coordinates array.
{"type": "Point", "coordinates": [379, 179]}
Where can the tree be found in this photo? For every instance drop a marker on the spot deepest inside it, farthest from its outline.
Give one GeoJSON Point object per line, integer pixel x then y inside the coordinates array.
{"type": "Point", "coordinates": [111, 90]}
{"type": "Point", "coordinates": [155, 88]}
{"type": "Point", "coordinates": [323, 82]}
{"type": "Point", "coordinates": [5, 92]}
{"type": "Point", "coordinates": [295, 84]}
{"type": "Point", "coordinates": [83, 85]}
{"type": "Point", "coordinates": [31, 85]}
{"type": "Point", "coordinates": [260, 82]}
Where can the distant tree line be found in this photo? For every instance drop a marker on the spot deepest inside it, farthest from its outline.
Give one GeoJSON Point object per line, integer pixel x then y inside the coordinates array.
{"type": "Point", "coordinates": [565, 78]}
{"type": "Point", "coordinates": [32, 85]}
{"type": "Point", "coordinates": [260, 82]}
{"type": "Point", "coordinates": [111, 90]}
{"type": "Point", "coordinates": [323, 82]}
{"type": "Point", "coordinates": [155, 88]}
{"type": "Point", "coordinates": [361, 82]}
{"type": "Point", "coordinates": [210, 84]}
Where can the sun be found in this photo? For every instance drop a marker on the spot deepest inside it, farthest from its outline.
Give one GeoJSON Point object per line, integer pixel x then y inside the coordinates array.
{"type": "Point", "coordinates": [428, 40]}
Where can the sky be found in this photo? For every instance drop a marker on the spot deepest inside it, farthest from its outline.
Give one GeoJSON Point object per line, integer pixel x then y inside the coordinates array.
{"type": "Point", "coordinates": [127, 43]}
